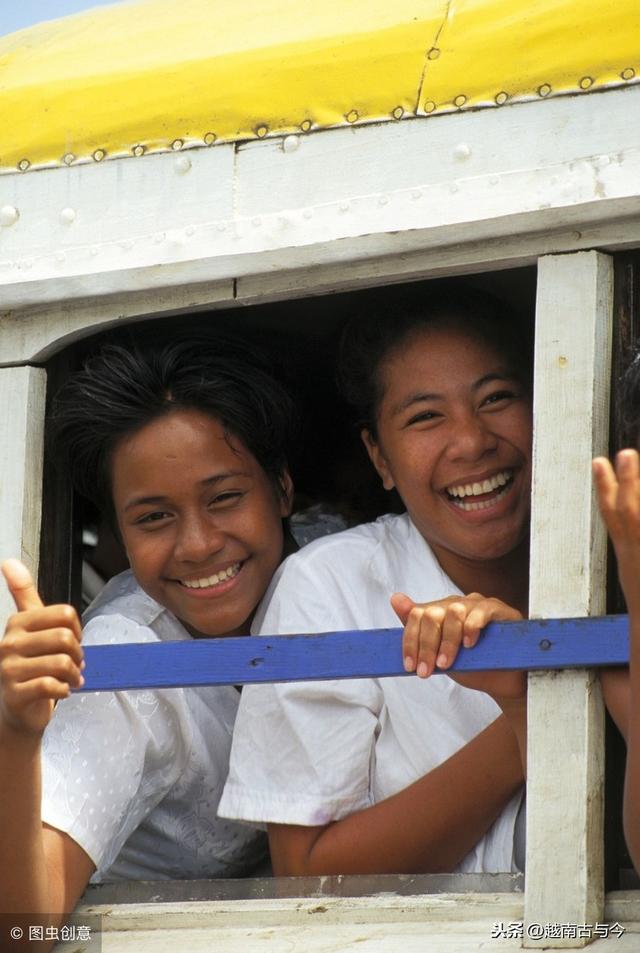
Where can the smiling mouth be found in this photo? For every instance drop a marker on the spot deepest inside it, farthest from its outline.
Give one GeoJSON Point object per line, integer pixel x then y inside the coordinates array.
{"type": "Point", "coordinates": [480, 496]}
{"type": "Point", "coordinates": [207, 582]}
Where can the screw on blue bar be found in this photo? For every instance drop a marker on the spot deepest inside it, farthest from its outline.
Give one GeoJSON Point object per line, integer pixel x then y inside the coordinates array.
{"type": "Point", "coordinates": [370, 653]}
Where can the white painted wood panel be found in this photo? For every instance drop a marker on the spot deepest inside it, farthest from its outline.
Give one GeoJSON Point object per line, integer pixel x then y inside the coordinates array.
{"type": "Point", "coordinates": [446, 923]}
{"type": "Point", "coordinates": [339, 196]}
{"type": "Point", "coordinates": [22, 404]}
{"type": "Point", "coordinates": [564, 879]}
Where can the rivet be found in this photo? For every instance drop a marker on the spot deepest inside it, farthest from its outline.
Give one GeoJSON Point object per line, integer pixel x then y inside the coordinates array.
{"type": "Point", "coordinates": [344, 206]}
{"type": "Point", "coordinates": [182, 165]}
{"type": "Point", "coordinates": [256, 221]}
{"type": "Point", "coordinates": [177, 144]}
{"type": "Point", "coordinates": [261, 131]}
{"type": "Point", "coordinates": [209, 138]}
{"type": "Point", "coordinates": [23, 165]}
{"type": "Point", "coordinates": [501, 98]}
{"type": "Point", "coordinates": [159, 237]}
{"type": "Point", "coordinates": [383, 200]}
{"type": "Point", "coordinates": [60, 257]}
{"type": "Point", "coordinates": [305, 125]}
{"type": "Point", "coordinates": [545, 644]}
{"type": "Point", "coordinates": [462, 151]}
{"type": "Point", "coordinates": [290, 143]}
{"type": "Point", "coordinates": [67, 216]}
{"type": "Point", "coordinates": [398, 112]}
{"type": "Point", "coordinates": [628, 73]}
{"type": "Point", "coordinates": [68, 158]}
{"type": "Point", "coordinates": [563, 361]}
{"type": "Point", "coordinates": [429, 106]}
{"type": "Point", "coordinates": [9, 215]}
{"type": "Point", "coordinates": [544, 90]}
{"type": "Point", "coordinates": [416, 194]}
{"type": "Point", "coordinates": [459, 100]}
{"type": "Point", "coordinates": [352, 116]}
{"type": "Point", "coordinates": [138, 150]}
{"type": "Point", "coordinates": [99, 155]}
{"type": "Point", "coordinates": [433, 53]}
{"type": "Point", "coordinates": [307, 213]}
{"type": "Point", "coordinates": [586, 82]}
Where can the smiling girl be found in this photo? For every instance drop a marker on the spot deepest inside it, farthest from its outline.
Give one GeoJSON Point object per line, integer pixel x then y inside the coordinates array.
{"type": "Point", "coordinates": [186, 448]}
{"type": "Point", "coordinates": [402, 775]}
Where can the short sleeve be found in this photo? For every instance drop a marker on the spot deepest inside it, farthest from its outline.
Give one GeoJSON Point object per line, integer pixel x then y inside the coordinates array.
{"type": "Point", "coordinates": [109, 758]}
{"type": "Point", "coordinates": [303, 752]}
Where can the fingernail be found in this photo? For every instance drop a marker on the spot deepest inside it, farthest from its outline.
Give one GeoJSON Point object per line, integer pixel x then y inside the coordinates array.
{"type": "Point", "coordinates": [408, 663]}
{"type": "Point", "coordinates": [423, 670]}
{"type": "Point", "coordinates": [442, 660]}
{"type": "Point", "coordinates": [83, 665]}
{"type": "Point", "coordinates": [81, 682]}
{"type": "Point", "coordinates": [466, 642]}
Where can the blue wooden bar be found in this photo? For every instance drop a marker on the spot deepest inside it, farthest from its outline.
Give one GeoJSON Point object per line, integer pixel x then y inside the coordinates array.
{"type": "Point", "coordinates": [530, 644]}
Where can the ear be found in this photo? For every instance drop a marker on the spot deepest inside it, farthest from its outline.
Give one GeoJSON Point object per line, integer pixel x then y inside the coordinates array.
{"type": "Point", "coordinates": [286, 493]}
{"type": "Point", "coordinates": [378, 459]}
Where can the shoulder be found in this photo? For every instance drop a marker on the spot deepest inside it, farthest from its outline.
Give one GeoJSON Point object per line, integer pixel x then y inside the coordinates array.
{"type": "Point", "coordinates": [123, 612]}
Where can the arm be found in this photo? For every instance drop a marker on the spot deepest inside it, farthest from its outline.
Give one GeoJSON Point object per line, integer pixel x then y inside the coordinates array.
{"type": "Point", "coordinates": [433, 635]}
{"type": "Point", "coordinates": [429, 827]}
{"type": "Point", "coordinates": [42, 870]}
{"type": "Point", "coordinates": [619, 498]}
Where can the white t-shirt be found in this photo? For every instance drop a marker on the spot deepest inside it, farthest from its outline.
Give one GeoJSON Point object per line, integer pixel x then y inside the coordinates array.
{"type": "Point", "coordinates": [312, 752]}
{"type": "Point", "coordinates": [135, 777]}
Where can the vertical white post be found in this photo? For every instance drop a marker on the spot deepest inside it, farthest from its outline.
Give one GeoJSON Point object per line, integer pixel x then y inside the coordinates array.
{"type": "Point", "coordinates": [22, 409]}
{"type": "Point", "coordinates": [564, 875]}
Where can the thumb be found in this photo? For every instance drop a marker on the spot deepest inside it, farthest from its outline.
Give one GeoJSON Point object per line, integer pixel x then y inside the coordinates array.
{"type": "Point", "coordinates": [402, 606]}
{"type": "Point", "coordinates": [21, 585]}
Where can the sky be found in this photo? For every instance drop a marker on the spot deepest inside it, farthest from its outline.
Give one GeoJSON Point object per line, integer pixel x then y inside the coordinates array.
{"type": "Point", "coordinates": [15, 16]}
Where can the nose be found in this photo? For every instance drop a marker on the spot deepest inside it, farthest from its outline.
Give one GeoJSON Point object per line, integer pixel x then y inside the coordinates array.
{"type": "Point", "coordinates": [471, 438]}
{"type": "Point", "coordinates": [197, 539]}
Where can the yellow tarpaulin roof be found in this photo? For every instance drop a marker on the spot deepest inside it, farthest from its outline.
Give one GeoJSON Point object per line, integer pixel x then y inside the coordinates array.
{"type": "Point", "coordinates": [149, 75]}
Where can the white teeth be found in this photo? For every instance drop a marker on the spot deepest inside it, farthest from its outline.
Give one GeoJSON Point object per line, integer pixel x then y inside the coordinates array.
{"type": "Point", "coordinates": [476, 489]}
{"type": "Point", "coordinates": [214, 580]}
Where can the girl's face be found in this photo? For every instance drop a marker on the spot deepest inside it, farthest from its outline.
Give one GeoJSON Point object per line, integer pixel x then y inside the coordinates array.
{"type": "Point", "coordinates": [454, 439]}
{"type": "Point", "coordinates": [200, 520]}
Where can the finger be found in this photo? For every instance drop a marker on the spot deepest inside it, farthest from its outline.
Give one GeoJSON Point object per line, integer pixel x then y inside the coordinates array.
{"type": "Point", "coordinates": [489, 610]}
{"type": "Point", "coordinates": [21, 586]}
{"type": "Point", "coordinates": [402, 606]}
{"type": "Point", "coordinates": [429, 622]}
{"type": "Point", "coordinates": [627, 472]}
{"type": "Point", "coordinates": [43, 643]}
{"type": "Point", "coordinates": [606, 488]}
{"type": "Point", "coordinates": [47, 617]}
{"type": "Point", "coordinates": [452, 633]}
{"type": "Point", "coordinates": [39, 689]}
{"type": "Point", "coordinates": [16, 670]}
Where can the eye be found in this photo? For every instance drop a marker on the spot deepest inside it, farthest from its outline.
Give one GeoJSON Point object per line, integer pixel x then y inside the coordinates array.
{"type": "Point", "coordinates": [500, 396]}
{"type": "Point", "coordinates": [148, 518]}
{"type": "Point", "coordinates": [424, 417]}
{"type": "Point", "coordinates": [228, 497]}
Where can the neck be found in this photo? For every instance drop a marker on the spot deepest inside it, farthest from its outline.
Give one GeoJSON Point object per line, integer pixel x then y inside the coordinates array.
{"type": "Point", "coordinates": [505, 578]}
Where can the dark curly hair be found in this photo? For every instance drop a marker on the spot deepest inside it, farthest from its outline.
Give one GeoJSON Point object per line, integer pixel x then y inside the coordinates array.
{"type": "Point", "coordinates": [121, 389]}
{"type": "Point", "coordinates": [390, 315]}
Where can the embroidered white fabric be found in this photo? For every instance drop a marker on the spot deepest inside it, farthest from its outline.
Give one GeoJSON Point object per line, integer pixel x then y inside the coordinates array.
{"type": "Point", "coordinates": [135, 777]}
{"type": "Point", "coordinates": [312, 752]}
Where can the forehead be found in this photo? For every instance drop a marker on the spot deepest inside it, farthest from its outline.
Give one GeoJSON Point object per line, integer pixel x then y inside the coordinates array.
{"type": "Point", "coordinates": [186, 439]}
{"type": "Point", "coordinates": [442, 353]}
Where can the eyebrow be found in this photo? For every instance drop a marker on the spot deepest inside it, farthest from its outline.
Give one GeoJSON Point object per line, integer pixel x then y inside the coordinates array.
{"type": "Point", "coordinates": [208, 481]}
{"type": "Point", "coordinates": [422, 396]}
